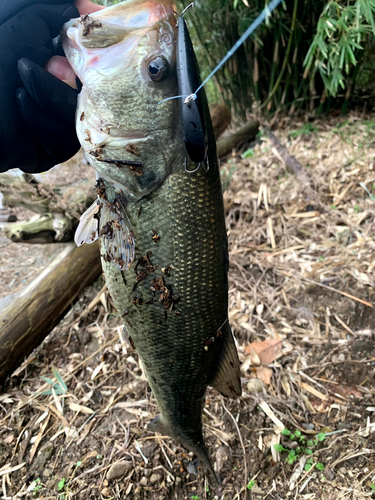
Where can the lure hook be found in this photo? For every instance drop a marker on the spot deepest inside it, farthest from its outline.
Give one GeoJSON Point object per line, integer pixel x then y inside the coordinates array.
{"type": "Point", "coordinates": [187, 8]}
{"type": "Point", "coordinates": [205, 164]}
{"type": "Point", "coordinates": [191, 171]}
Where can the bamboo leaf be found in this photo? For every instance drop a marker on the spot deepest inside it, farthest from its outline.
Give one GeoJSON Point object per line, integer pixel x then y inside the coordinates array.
{"type": "Point", "coordinates": [59, 379]}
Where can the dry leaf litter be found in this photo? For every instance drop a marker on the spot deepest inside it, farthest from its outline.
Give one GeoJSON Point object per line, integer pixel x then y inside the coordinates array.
{"type": "Point", "coordinates": [73, 417]}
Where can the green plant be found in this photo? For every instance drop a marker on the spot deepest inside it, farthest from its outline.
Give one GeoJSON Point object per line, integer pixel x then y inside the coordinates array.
{"type": "Point", "coordinates": [268, 68]}
{"type": "Point", "coordinates": [38, 486]}
{"type": "Point", "coordinates": [59, 387]}
{"type": "Point", "coordinates": [305, 51]}
{"type": "Point", "coordinates": [372, 486]}
{"type": "Point", "coordinates": [251, 484]}
{"type": "Point", "coordinates": [61, 484]}
{"type": "Point", "coordinates": [249, 153]}
{"type": "Point", "coordinates": [308, 464]}
{"type": "Point", "coordinates": [306, 129]}
{"type": "Point", "coordinates": [303, 446]}
{"type": "Point", "coordinates": [342, 32]}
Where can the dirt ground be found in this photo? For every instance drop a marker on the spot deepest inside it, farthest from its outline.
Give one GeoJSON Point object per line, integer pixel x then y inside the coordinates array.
{"type": "Point", "coordinates": [73, 418]}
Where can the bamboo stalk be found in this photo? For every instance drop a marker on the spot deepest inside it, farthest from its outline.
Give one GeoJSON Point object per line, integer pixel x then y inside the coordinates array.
{"type": "Point", "coordinates": [286, 58]}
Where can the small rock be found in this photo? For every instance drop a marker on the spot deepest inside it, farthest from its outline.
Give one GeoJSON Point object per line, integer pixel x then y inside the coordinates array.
{"type": "Point", "coordinates": [118, 469]}
{"type": "Point", "coordinates": [143, 481]}
{"type": "Point", "coordinates": [149, 450]}
{"type": "Point", "coordinates": [43, 456]}
{"type": "Point", "coordinates": [341, 357]}
{"type": "Point", "coordinates": [155, 478]}
{"type": "Point", "coordinates": [47, 473]}
{"type": "Point", "coordinates": [192, 467]}
{"type": "Point", "coordinates": [308, 427]}
{"type": "Point", "coordinates": [255, 385]}
{"type": "Point", "coordinates": [147, 472]}
{"type": "Point", "coordinates": [334, 358]}
{"type": "Point", "coordinates": [329, 474]}
{"type": "Point", "coordinates": [257, 491]}
{"type": "Point", "coordinates": [106, 492]}
{"type": "Point", "coordinates": [222, 456]}
{"type": "Point", "coordinates": [178, 480]}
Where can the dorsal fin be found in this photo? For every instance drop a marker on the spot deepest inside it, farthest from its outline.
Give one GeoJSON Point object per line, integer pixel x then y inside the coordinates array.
{"type": "Point", "coordinates": [227, 379]}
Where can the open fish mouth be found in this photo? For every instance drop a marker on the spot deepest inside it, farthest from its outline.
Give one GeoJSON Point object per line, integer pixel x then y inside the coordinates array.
{"type": "Point", "coordinates": [116, 29]}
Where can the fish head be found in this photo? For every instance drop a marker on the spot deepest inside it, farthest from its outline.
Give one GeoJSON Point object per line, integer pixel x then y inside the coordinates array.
{"type": "Point", "coordinates": [125, 58]}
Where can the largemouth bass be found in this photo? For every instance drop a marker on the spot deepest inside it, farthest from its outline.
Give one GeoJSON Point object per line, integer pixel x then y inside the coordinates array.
{"type": "Point", "coordinates": [160, 218]}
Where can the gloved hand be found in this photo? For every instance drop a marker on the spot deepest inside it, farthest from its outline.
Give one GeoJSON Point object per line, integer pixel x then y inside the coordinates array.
{"type": "Point", "coordinates": [37, 110]}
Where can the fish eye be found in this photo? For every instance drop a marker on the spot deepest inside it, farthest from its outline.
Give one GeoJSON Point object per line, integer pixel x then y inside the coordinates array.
{"type": "Point", "coordinates": [158, 69]}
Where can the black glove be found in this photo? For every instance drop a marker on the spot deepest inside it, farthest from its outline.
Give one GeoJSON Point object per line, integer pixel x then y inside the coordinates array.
{"type": "Point", "coordinates": [37, 110]}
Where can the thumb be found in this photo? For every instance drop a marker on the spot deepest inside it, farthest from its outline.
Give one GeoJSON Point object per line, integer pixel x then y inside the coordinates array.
{"type": "Point", "coordinates": [87, 7]}
{"type": "Point", "coordinates": [60, 68]}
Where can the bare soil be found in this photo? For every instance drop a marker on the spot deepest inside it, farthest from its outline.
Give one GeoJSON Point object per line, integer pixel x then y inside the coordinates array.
{"type": "Point", "coordinates": [301, 278]}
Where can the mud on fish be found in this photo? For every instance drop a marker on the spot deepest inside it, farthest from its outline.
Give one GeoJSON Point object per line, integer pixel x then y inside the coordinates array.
{"type": "Point", "coordinates": [163, 237]}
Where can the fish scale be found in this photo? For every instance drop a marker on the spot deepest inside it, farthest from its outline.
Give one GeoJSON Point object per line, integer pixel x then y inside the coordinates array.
{"type": "Point", "coordinates": [192, 238]}
{"type": "Point", "coordinates": [187, 213]}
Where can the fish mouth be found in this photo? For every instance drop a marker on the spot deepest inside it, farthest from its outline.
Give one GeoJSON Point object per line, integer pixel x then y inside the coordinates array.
{"type": "Point", "coordinates": [101, 41]}
{"type": "Point", "coordinates": [116, 21]}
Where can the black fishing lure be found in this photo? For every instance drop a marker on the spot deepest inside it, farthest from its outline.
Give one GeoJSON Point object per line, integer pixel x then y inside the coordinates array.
{"type": "Point", "coordinates": [193, 112]}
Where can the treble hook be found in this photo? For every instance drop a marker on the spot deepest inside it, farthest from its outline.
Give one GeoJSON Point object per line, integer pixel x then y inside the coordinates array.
{"type": "Point", "coordinates": [191, 171]}
{"type": "Point", "coordinates": [205, 163]}
{"type": "Point", "coordinates": [183, 12]}
{"type": "Point", "coordinates": [187, 8]}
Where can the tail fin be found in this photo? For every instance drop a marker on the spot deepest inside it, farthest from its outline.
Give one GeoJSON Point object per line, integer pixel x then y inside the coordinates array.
{"type": "Point", "coordinates": [200, 451]}
{"type": "Point", "coordinates": [197, 446]}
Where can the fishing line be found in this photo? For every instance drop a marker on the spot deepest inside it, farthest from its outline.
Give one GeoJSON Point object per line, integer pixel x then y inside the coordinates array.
{"type": "Point", "coordinates": [258, 21]}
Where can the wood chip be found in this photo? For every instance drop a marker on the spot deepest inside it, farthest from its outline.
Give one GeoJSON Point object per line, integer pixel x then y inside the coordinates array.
{"type": "Point", "coordinates": [313, 391]}
{"type": "Point", "coordinates": [267, 410]}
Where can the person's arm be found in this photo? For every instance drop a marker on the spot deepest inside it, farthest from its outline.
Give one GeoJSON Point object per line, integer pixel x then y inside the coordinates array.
{"type": "Point", "coordinates": [37, 110]}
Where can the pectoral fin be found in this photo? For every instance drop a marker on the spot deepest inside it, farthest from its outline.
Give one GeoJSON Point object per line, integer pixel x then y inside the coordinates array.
{"type": "Point", "coordinates": [87, 230]}
{"type": "Point", "coordinates": [117, 235]}
{"type": "Point", "coordinates": [227, 379]}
